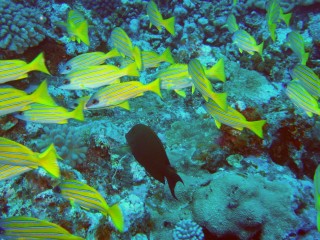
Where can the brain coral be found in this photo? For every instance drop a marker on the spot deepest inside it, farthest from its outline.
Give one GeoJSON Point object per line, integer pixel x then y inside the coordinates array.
{"type": "Point", "coordinates": [245, 206]}
{"type": "Point", "coordinates": [20, 27]}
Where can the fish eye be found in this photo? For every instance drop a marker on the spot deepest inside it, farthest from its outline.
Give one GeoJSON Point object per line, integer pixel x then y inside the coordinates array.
{"type": "Point", "coordinates": [75, 104]}
{"type": "Point", "coordinates": [56, 189]}
{"type": "Point", "coordinates": [95, 101]}
{"type": "Point", "coordinates": [66, 81]}
{"type": "Point", "coordinates": [68, 68]}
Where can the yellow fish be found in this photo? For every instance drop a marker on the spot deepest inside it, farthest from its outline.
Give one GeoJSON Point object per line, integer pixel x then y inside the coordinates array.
{"type": "Point", "coordinates": [151, 59]}
{"type": "Point", "coordinates": [117, 93]}
{"type": "Point", "coordinates": [50, 114]}
{"type": "Point", "coordinates": [10, 171]}
{"type": "Point", "coordinates": [121, 41]}
{"type": "Point", "coordinates": [274, 15]}
{"type": "Point", "coordinates": [302, 98]}
{"type": "Point", "coordinates": [21, 227]}
{"type": "Point", "coordinates": [89, 198]}
{"type": "Point", "coordinates": [232, 24]}
{"type": "Point", "coordinates": [97, 76]}
{"type": "Point", "coordinates": [87, 59]}
{"type": "Point", "coordinates": [157, 20]}
{"type": "Point", "coordinates": [14, 100]}
{"type": "Point", "coordinates": [17, 69]}
{"type": "Point", "coordinates": [296, 42]}
{"type": "Point", "coordinates": [176, 77]}
{"type": "Point", "coordinates": [308, 79]}
{"type": "Point", "coordinates": [203, 85]}
{"type": "Point", "coordinates": [233, 118]}
{"type": "Point", "coordinates": [246, 42]}
{"type": "Point", "coordinates": [77, 27]}
{"type": "Point", "coordinates": [16, 154]}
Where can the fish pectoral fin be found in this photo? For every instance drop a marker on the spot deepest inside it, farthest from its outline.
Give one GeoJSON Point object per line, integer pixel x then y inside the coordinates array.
{"type": "Point", "coordinates": [310, 114]}
{"type": "Point", "coordinates": [240, 50]}
{"type": "Point", "coordinates": [218, 124]}
{"type": "Point", "coordinates": [181, 93]}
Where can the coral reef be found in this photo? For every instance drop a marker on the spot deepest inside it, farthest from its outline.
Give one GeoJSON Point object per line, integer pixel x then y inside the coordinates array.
{"type": "Point", "coordinates": [187, 229]}
{"type": "Point", "coordinates": [21, 27]}
{"type": "Point", "coordinates": [69, 142]}
{"type": "Point", "coordinates": [252, 202]}
{"type": "Point", "coordinates": [235, 185]}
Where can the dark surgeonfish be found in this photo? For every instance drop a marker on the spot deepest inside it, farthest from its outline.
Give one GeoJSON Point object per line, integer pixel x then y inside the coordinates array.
{"type": "Point", "coordinates": [148, 150]}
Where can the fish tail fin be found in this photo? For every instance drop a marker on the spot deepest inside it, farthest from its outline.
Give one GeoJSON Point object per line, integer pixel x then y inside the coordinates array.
{"type": "Point", "coordinates": [77, 113]}
{"type": "Point", "coordinates": [217, 70]}
{"type": "Point", "coordinates": [137, 57]}
{"type": "Point", "coordinates": [169, 25]}
{"type": "Point", "coordinates": [112, 53]}
{"type": "Point", "coordinates": [256, 127]}
{"type": "Point", "coordinates": [41, 95]}
{"type": "Point", "coordinates": [131, 70]}
{"type": "Point", "coordinates": [260, 49]}
{"type": "Point", "coordinates": [272, 30]}
{"type": "Point", "coordinates": [116, 216]}
{"type": "Point", "coordinates": [172, 178]}
{"type": "Point", "coordinates": [221, 100]}
{"type": "Point", "coordinates": [304, 58]}
{"type": "Point", "coordinates": [38, 64]}
{"type": "Point", "coordinates": [166, 56]}
{"type": "Point", "coordinates": [155, 87]}
{"type": "Point", "coordinates": [286, 18]}
{"type": "Point", "coordinates": [82, 32]}
{"type": "Point", "coordinates": [48, 160]}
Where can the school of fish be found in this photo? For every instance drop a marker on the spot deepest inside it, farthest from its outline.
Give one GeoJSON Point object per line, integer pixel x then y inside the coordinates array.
{"type": "Point", "coordinates": [90, 71]}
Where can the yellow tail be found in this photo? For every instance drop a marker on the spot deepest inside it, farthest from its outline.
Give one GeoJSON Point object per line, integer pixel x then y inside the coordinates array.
{"type": "Point", "coordinates": [272, 30]}
{"type": "Point", "coordinates": [260, 49]}
{"type": "Point", "coordinates": [38, 64]}
{"type": "Point", "coordinates": [169, 25]}
{"type": "Point", "coordinates": [82, 32]}
{"type": "Point", "coordinates": [41, 95]}
{"type": "Point", "coordinates": [155, 87]}
{"type": "Point", "coordinates": [116, 217]}
{"type": "Point", "coordinates": [256, 127]}
{"type": "Point", "coordinates": [137, 57]}
{"type": "Point", "coordinates": [220, 99]}
{"type": "Point", "coordinates": [217, 71]}
{"type": "Point", "coordinates": [304, 58]}
{"type": "Point", "coordinates": [113, 53]}
{"type": "Point", "coordinates": [48, 160]}
{"type": "Point", "coordinates": [166, 56]}
{"type": "Point", "coordinates": [77, 113]}
{"type": "Point", "coordinates": [286, 18]}
{"type": "Point", "coordinates": [131, 70]}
